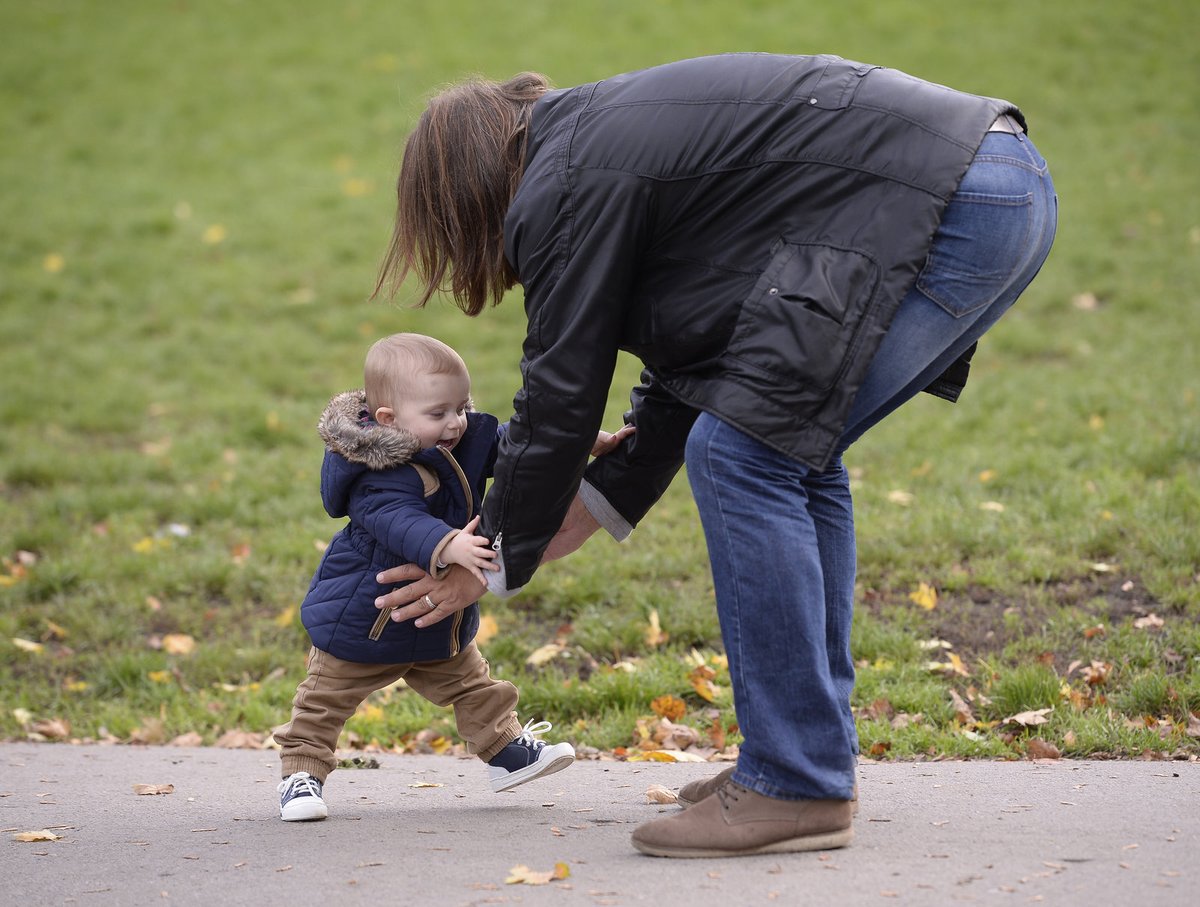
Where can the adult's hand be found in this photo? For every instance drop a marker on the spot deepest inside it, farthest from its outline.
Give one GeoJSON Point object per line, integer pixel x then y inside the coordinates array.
{"type": "Point", "coordinates": [454, 591]}
{"type": "Point", "coordinates": [577, 528]}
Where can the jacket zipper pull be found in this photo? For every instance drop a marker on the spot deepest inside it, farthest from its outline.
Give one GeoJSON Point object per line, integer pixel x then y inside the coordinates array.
{"type": "Point", "coordinates": [496, 543]}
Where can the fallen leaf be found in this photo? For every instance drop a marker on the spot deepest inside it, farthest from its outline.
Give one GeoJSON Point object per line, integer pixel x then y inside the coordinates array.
{"type": "Point", "coordinates": [419, 784]}
{"type": "Point", "coordinates": [924, 596]}
{"type": "Point", "coordinates": [153, 790]}
{"type": "Point", "coordinates": [962, 711]}
{"type": "Point", "coordinates": [902, 498]}
{"type": "Point", "coordinates": [1037, 748]}
{"type": "Point", "coordinates": [523, 875]}
{"type": "Point", "coordinates": [488, 628]}
{"type": "Point", "coordinates": [240, 740]}
{"type": "Point", "coordinates": [654, 633]}
{"type": "Point", "coordinates": [178, 644]}
{"type": "Point", "coordinates": [1085, 302]}
{"type": "Point", "coordinates": [544, 654]}
{"type": "Point", "coordinates": [656, 793]}
{"type": "Point", "coordinates": [1029, 719]}
{"type": "Point", "coordinates": [214, 234]}
{"type": "Point", "coordinates": [1149, 622]}
{"type": "Point", "coordinates": [53, 263]}
{"type": "Point", "coordinates": [992, 506]}
{"type": "Point", "coordinates": [44, 835]}
{"type": "Point", "coordinates": [53, 728]}
{"type": "Point", "coordinates": [701, 679]}
{"type": "Point", "coordinates": [27, 645]}
{"type": "Point", "coordinates": [669, 707]}
{"type": "Point", "coordinates": [191, 738]}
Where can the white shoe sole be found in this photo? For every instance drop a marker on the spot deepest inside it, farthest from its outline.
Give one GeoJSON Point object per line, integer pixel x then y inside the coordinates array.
{"type": "Point", "coordinates": [530, 772]}
{"type": "Point", "coordinates": [303, 809]}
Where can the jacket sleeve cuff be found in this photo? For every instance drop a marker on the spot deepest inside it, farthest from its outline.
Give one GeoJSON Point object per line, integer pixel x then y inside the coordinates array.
{"type": "Point", "coordinates": [497, 582]}
{"type": "Point", "coordinates": [603, 512]}
{"type": "Point", "coordinates": [436, 557]}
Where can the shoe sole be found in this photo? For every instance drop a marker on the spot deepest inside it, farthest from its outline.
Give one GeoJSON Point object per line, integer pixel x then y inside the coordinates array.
{"type": "Point", "coordinates": [309, 813]}
{"type": "Point", "coordinates": [685, 803]}
{"type": "Point", "coordinates": [530, 772]}
{"type": "Point", "coordinates": [830, 840]}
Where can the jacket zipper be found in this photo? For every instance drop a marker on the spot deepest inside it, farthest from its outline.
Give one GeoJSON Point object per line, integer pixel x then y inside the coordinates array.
{"type": "Point", "coordinates": [381, 621]}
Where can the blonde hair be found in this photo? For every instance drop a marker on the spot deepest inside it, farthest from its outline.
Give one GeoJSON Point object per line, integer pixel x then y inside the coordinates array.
{"type": "Point", "coordinates": [395, 360]}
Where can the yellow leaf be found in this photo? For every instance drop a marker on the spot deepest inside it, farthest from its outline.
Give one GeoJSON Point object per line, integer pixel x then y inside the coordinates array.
{"type": "Point", "coordinates": [56, 630]}
{"type": "Point", "coordinates": [144, 545]}
{"type": "Point", "coordinates": [487, 629]}
{"type": "Point", "coordinates": [523, 875]}
{"type": "Point", "coordinates": [992, 506]}
{"type": "Point", "coordinates": [53, 263]}
{"type": "Point", "coordinates": [987, 475]}
{"type": "Point", "coordinates": [1095, 422]}
{"type": "Point", "coordinates": [159, 676]}
{"type": "Point", "coordinates": [6, 580]}
{"type": "Point", "coordinates": [214, 235]}
{"type": "Point", "coordinates": [654, 633]}
{"type": "Point", "coordinates": [704, 687]}
{"type": "Point", "coordinates": [357, 188]}
{"type": "Point", "coordinates": [370, 712]}
{"type": "Point", "coordinates": [153, 790]}
{"type": "Point", "coordinates": [561, 870]}
{"type": "Point", "coordinates": [44, 835]}
{"type": "Point", "coordinates": [544, 654]}
{"type": "Point", "coordinates": [75, 686]}
{"type": "Point", "coordinates": [285, 617]}
{"type": "Point", "coordinates": [178, 644]}
{"type": "Point", "coordinates": [27, 645]}
{"type": "Point", "coordinates": [925, 596]}
{"type": "Point", "coordinates": [654, 756]}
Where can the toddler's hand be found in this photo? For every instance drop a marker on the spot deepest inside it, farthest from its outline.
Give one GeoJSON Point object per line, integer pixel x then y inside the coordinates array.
{"type": "Point", "coordinates": [471, 551]}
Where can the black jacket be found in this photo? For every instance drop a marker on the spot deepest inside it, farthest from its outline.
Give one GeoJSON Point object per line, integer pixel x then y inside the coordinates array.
{"type": "Point", "coordinates": [746, 225]}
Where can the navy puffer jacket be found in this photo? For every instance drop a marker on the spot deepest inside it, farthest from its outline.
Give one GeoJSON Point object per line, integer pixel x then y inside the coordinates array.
{"type": "Point", "coordinates": [403, 503]}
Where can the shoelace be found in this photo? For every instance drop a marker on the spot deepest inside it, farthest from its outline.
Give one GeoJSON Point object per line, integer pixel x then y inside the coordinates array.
{"type": "Point", "coordinates": [726, 792]}
{"type": "Point", "coordinates": [301, 785]}
{"type": "Point", "coordinates": [531, 731]}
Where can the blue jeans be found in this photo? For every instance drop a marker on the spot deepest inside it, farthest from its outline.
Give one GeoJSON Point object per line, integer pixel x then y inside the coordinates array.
{"type": "Point", "coordinates": [781, 536]}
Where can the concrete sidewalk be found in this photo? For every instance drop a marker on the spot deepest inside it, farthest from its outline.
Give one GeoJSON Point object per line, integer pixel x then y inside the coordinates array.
{"type": "Point", "coordinates": [428, 830]}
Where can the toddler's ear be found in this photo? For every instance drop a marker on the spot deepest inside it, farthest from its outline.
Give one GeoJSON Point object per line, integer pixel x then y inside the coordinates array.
{"type": "Point", "coordinates": [385, 416]}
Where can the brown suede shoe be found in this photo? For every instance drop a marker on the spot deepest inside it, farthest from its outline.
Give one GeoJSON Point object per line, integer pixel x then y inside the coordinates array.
{"type": "Point", "coordinates": [695, 791]}
{"type": "Point", "coordinates": [736, 822]}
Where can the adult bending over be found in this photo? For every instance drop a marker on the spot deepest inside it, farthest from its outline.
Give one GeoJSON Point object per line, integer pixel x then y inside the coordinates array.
{"type": "Point", "coordinates": [793, 246]}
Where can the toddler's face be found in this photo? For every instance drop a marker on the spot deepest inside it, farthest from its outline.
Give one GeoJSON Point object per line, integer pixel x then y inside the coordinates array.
{"type": "Point", "coordinates": [435, 409]}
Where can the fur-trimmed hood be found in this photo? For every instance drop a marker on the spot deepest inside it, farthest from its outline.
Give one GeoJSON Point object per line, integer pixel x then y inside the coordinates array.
{"type": "Point", "coordinates": [347, 428]}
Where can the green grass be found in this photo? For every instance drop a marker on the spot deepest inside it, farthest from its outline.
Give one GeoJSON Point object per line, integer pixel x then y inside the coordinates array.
{"type": "Point", "coordinates": [196, 199]}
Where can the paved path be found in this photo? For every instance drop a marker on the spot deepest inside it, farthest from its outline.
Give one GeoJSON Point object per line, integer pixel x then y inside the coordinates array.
{"type": "Point", "coordinates": [428, 830]}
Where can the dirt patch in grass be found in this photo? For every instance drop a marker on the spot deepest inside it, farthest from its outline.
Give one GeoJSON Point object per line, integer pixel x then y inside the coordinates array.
{"type": "Point", "coordinates": [981, 622]}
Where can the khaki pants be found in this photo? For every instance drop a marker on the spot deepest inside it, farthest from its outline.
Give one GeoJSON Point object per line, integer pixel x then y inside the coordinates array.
{"type": "Point", "coordinates": [484, 708]}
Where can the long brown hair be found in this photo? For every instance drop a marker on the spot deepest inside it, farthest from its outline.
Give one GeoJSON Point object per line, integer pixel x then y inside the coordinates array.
{"type": "Point", "coordinates": [460, 170]}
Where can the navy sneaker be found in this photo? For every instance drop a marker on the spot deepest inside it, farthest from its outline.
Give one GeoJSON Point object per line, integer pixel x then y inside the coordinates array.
{"type": "Point", "coordinates": [527, 758]}
{"type": "Point", "coordinates": [300, 798]}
